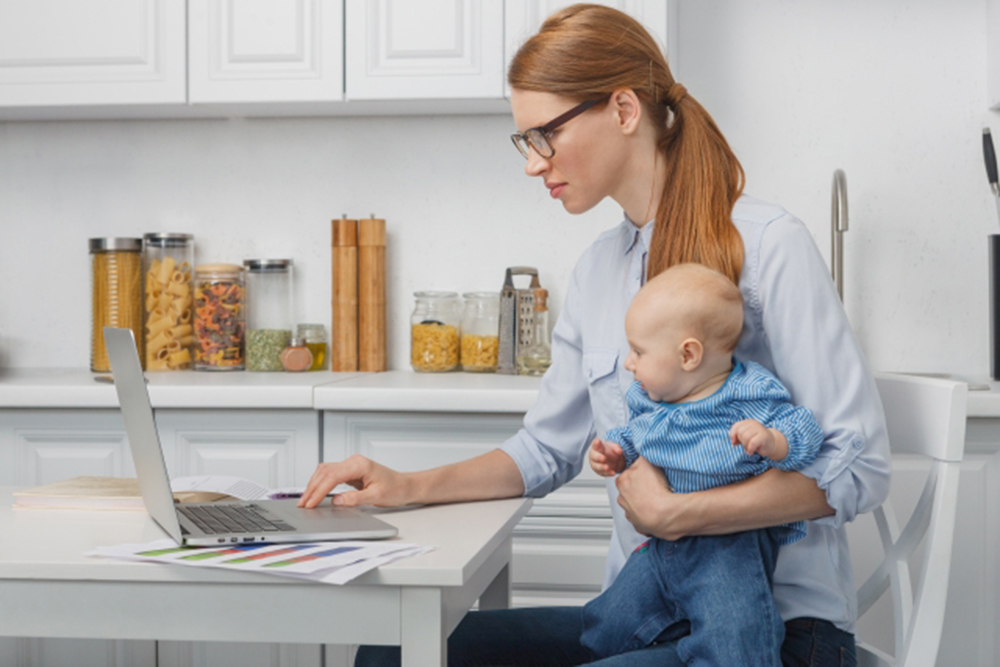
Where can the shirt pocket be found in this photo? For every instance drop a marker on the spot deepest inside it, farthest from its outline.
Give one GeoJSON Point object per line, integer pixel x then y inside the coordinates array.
{"type": "Point", "coordinates": [600, 366]}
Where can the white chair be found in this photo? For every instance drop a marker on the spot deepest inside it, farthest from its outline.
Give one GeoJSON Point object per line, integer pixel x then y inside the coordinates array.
{"type": "Point", "coordinates": [924, 416]}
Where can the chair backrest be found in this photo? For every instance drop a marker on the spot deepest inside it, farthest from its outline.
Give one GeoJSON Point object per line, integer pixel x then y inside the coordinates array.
{"type": "Point", "coordinates": [924, 416]}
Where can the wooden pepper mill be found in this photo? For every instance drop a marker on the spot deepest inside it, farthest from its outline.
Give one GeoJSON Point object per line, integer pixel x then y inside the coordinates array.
{"type": "Point", "coordinates": [344, 338]}
{"type": "Point", "coordinates": [371, 294]}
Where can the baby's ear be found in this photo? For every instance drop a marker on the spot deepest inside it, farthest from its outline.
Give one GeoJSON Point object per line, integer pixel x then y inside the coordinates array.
{"type": "Point", "coordinates": [692, 352]}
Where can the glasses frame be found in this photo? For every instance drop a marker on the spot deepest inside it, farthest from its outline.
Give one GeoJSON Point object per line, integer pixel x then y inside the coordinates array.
{"type": "Point", "coordinates": [537, 137]}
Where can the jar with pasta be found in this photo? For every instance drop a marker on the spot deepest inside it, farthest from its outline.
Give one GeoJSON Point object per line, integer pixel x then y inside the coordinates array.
{"type": "Point", "coordinates": [435, 329]}
{"type": "Point", "coordinates": [116, 294]}
{"type": "Point", "coordinates": [219, 318]}
{"type": "Point", "coordinates": [480, 331]}
{"type": "Point", "coordinates": [269, 312]}
{"type": "Point", "coordinates": [169, 299]}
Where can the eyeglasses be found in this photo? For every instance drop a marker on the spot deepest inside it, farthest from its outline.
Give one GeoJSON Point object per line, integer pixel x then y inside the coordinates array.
{"type": "Point", "coordinates": [538, 137]}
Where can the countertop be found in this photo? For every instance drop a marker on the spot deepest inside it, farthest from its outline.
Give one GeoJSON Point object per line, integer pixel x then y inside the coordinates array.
{"type": "Point", "coordinates": [323, 390]}
{"type": "Point", "coordinates": [392, 391]}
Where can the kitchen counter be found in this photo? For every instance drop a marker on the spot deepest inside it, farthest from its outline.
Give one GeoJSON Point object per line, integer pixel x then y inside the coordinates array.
{"type": "Point", "coordinates": [404, 391]}
{"type": "Point", "coordinates": [77, 388]}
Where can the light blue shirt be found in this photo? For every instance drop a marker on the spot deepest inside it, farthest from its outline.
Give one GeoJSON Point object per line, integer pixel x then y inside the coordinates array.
{"type": "Point", "coordinates": [690, 441]}
{"type": "Point", "coordinates": [794, 325]}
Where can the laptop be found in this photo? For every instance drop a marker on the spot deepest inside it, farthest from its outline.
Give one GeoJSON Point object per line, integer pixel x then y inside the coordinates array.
{"type": "Point", "coordinates": [212, 524]}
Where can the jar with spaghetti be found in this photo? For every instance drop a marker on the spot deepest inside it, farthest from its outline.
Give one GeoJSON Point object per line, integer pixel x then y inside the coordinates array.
{"type": "Point", "coordinates": [218, 317]}
{"type": "Point", "coordinates": [435, 327]}
{"type": "Point", "coordinates": [116, 294]}
{"type": "Point", "coordinates": [168, 298]}
{"type": "Point", "coordinates": [480, 331]}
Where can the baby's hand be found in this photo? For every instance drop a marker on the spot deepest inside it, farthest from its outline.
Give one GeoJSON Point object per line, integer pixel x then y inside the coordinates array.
{"type": "Point", "coordinates": [758, 439]}
{"type": "Point", "coordinates": [606, 458]}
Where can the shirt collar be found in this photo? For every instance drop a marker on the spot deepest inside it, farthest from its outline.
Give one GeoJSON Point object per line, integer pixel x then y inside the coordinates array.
{"type": "Point", "coordinates": [633, 233]}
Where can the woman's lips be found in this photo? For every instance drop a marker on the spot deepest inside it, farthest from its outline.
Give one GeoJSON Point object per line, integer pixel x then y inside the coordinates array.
{"type": "Point", "coordinates": [556, 190]}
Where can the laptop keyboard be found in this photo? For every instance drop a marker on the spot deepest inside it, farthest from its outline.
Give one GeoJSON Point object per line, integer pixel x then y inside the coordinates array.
{"type": "Point", "coordinates": [224, 518]}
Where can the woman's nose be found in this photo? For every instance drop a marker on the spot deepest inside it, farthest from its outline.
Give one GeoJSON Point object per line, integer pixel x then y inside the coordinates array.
{"type": "Point", "coordinates": [536, 165]}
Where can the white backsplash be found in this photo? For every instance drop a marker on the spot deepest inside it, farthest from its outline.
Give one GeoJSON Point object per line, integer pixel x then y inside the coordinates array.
{"type": "Point", "coordinates": [892, 92]}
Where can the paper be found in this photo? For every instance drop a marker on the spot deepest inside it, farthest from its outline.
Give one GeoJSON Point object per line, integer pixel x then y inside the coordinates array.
{"type": "Point", "coordinates": [325, 562]}
{"type": "Point", "coordinates": [237, 487]}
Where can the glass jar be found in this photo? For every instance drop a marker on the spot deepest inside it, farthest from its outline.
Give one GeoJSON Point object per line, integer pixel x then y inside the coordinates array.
{"type": "Point", "coordinates": [269, 312]}
{"type": "Point", "coordinates": [218, 317]}
{"type": "Point", "coordinates": [480, 331]}
{"type": "Point", "coordinates": [315, 337]}
{"type": "Point", "coordinates": [435, 326]}
{"type": "Point", "coordinates": [167, 295]}
{"type": "Point", "coordinates": [296, 357]}
{"type": "Point", "coordinates": [116, 294]}
{"type": "Point", "coordinates": [536, 357]}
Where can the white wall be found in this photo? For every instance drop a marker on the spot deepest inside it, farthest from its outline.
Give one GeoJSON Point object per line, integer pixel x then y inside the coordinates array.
{"type": "Point", "coordinates": [892, 92]}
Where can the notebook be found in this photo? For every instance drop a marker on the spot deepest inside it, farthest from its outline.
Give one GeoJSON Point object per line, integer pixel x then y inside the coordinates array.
{"type": "Point", "coordinates": [212, 524]}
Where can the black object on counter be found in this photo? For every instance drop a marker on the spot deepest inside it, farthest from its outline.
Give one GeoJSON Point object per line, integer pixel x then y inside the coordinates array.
{"type": "Point", "coordinates": [995, 306]}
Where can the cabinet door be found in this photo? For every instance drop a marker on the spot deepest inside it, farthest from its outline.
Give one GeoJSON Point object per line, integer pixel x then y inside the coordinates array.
{"type": "Point", "coordinates": [523, 18]}
{"type": "Point", "coordinates": [43, 446]}
{"type": "Point", "coordinates": [432, 49]}
{"type": "Point", "coordinates": [271, 447]}
{"type": "Point", "coordinates": [265, 50]}
{"type": "Point", "coordinates": [67, 52]}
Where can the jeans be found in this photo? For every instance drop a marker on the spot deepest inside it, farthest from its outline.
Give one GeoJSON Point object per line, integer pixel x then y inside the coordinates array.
{"type": "Point", "coordinates": [550, 637]}
{"type": "Point", "coordinates": [720, 584]}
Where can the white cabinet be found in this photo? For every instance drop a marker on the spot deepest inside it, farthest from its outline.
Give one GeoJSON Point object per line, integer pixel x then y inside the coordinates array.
{"type": "Point", "coordinates": [265, 51]}
{"type": "Point", "coordinates": [432, 49]}
{"type": "Point", "coordinates": [99, 52]}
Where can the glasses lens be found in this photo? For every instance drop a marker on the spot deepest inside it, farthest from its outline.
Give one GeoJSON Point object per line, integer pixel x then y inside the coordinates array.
{"type": "Point", "coordinates": [537, 140]}
{"type": "Point", "coordinates": [522, 146]}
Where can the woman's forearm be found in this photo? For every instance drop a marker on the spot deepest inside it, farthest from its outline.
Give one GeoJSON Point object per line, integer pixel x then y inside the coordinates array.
{"type": "Point", "coordinates": [490, 475]}
{"type": "Point", "coordinates": [770, 499]}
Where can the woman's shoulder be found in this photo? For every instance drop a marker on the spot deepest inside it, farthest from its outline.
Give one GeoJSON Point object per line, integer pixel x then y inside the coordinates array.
{"type": "Point", "coordinates": [754, 217]}
{"type": "Point", "coordinates": [771, 234]}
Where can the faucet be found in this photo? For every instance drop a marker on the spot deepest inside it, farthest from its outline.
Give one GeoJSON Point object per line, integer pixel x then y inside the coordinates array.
{"type": "Point", "coordinates": [838, 225]}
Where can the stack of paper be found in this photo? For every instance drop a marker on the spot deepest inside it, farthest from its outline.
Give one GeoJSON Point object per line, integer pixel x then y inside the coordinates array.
{"type": "Point", "coordinates": [326, 562]}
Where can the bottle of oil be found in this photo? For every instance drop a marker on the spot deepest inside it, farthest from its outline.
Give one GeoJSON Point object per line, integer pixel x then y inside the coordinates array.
{"type": "Point", "coordinates": [537, 357]}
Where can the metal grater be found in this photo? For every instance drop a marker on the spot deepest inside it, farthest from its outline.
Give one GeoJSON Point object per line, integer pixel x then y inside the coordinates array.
{"type": "Point", "coordinates": [517, 317]}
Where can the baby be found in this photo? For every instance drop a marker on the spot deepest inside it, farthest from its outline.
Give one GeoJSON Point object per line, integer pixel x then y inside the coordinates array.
{"type": "Point", "coordinates": [706, 421]}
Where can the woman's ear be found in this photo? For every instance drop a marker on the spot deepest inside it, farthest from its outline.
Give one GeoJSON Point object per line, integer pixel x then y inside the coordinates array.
{"type": "Point", "coordinates": [692, 352]}
{"type": "Point", "coordinates": [627, 109]}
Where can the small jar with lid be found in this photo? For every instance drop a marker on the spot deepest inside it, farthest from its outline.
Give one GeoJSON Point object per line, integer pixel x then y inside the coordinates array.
{"type": "Point", "coordinates": [219, 317]}
{"type": "Point", "coordinates": [314, 336]}
{"type": "Point", "coordinates": [269, 312]}
{"type": "Point", "coordinates": [116, 293]}
{"type": "Point", "coordinates": [435, 326]}
{"type": "Point", "coordinates": [296, 357]}
{"type": "Point", "coordinates": [168, 299]}
{"type": "Point", "coordinates": [480, 331]}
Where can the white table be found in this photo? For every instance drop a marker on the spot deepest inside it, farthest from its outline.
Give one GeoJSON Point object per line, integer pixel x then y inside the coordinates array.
{"type": "Point", "coordinates": [49, 589]}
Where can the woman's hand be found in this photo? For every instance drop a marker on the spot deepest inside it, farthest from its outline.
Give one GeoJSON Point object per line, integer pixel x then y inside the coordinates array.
{"type": "Point", "coordinates": [376, 484]}
{"type": "Point", "coordinates": [649, 504]}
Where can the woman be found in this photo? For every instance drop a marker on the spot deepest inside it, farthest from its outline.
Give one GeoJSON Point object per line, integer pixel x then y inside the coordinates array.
{"type": "Point", "coordinates": [599, 115]}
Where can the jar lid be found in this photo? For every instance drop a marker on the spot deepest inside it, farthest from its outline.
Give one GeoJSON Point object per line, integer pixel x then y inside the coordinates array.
{"type": "Point", "coordinates": [304, 330]}
{"type": "Point", "coordinates": [295, 341]}
{"type": "Point", "coordinates": [481, 295]}
{"type": "Point", "coordinates": [218, 268]}
{"type": "Point", "coordinates": [267, 265]}
{"type": "Point", "coordinates": [436, 295]}
{"type": "Point", "coordinates": [113, 243]}
{"type": "Point", "coordinates": [167, 240]}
